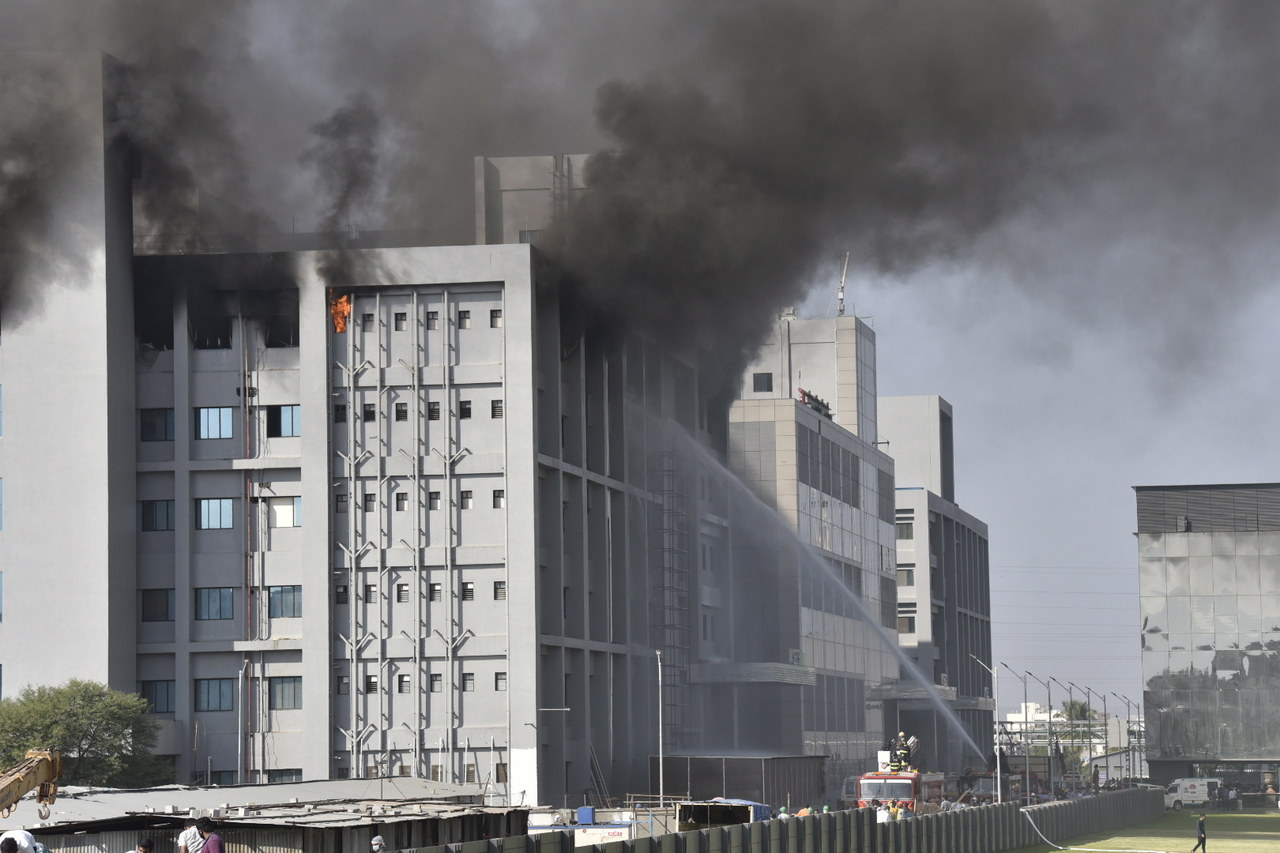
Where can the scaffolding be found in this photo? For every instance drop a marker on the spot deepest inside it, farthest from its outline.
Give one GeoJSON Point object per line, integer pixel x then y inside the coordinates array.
{"type": "Point", "coordinates": [676, 583]}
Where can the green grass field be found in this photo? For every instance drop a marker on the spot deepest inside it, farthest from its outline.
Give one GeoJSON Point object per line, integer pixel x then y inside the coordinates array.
{"type": "Point", "coordinates": [1176, 831]}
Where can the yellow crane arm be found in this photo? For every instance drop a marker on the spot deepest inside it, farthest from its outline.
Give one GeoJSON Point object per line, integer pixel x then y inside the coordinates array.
{"type": "Point", "coordinates": [38, 772]}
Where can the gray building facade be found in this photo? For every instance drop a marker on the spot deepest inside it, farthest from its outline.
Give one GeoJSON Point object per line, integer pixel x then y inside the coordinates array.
{"type": "Point", "coordinates": [944, 590]}
{"type": "Point", "coordinates": [1209, 580]}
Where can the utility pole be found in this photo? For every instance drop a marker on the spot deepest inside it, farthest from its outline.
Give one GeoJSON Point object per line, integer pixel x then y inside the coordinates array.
{"type": "Point", "coordinates": [995, 718]}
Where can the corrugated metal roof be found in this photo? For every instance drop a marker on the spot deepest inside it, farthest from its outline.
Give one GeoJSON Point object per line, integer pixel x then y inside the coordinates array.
{"type": "Point", "coordinates": [335, 803]}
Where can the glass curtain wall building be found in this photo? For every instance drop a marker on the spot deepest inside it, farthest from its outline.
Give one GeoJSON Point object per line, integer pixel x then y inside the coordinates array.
{"type": "Point", "coordinates": [1209, 580]}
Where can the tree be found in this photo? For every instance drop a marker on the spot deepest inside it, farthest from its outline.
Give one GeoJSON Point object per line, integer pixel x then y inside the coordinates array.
{"type": "Point", "coordinates": [105, 736]}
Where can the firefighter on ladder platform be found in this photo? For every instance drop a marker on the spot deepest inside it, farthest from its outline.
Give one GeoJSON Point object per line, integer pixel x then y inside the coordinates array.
{"type": "Point", "coordinates": [900, 753]}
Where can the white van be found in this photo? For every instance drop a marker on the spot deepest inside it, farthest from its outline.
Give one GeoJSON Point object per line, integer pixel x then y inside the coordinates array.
{"type": "Point", "coordinates": [1188, 793]}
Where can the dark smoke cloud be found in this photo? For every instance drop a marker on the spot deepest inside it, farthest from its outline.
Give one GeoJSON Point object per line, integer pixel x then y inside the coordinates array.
{"type": "Point", "coordinates": [345, 158]}
{"type": "Point", "coordinates": [41, 109]}
{"type": "Point", "coordinates": [1114, 162]}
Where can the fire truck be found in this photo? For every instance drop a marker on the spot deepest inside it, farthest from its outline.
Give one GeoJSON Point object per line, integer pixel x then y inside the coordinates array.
{"type": "Point", "coordinates": [900, 786]}
{"type": "Point", "coordinates": [896, 781]}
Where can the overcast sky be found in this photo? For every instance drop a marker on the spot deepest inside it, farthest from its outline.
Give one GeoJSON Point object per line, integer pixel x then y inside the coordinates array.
{"type": "Point", "coordinates": [1062, 215]}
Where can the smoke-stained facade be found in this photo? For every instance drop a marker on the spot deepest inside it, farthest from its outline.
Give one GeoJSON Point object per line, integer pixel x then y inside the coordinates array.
{"type": "Point", "coordinates": [1209, 579]}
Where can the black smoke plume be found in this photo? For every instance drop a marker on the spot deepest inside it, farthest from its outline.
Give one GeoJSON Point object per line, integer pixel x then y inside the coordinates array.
{"type": "Point", "coordinates": [345, 161]}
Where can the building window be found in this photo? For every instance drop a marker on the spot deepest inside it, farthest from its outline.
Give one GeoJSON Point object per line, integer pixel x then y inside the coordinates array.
{"type": "Point", "coordinates": [368, 412]}
{"type": "Point", "coordinates": [214, 423]}
{"type": "Point", "coordinates": [156, 424]}
{"type": "Point", "coordinates": [464, 409]}
{"type": "Point", "coordinates": [366, 319]}
{"type": "Point", "coordinates": [500, 682]}
{"type": "Point", "coordinates": [214, 513]}
{"type": "Point", "coordinates": [465, 498]}
{"type": "Point", "coordinates": [284, 602]}
{"type": "Point", "coordinates": [495, 318]}
{"type": "Point", "coordinates": [156, 515]}
{"type": "Point", "coordinates": [402, 501]}
{"type": "Point", "coordinates": [906, 624]}
{"type": "Point", "coordinates": [344, 685]}
{"type": "Point", "coordinates": [341, 594]}
{"type": "Point", "coordinates": [339, 413]}
{"type": "Point", "coordinates": [370, 592]}
{"type": "Point", "coordinates": [284, 421]}
{"type": "Point", "coordinates": [762, 383]}
{"type": "Point", "coordinates": [402, 592]}
{"type": "Point", "coordinates": [436, 683]}
{"type": "Point", "coordinates": [402, 411]}
{"type": "Point", "coordinates": [215, 603]}
{"type": "Point", "coordinates": [285, 776]}
{"type": "Point", "coordinates": [906, 529]}
{"type": "Point", "coordinates": [468, 682]}
{"type": "Point", "coordinates": [499, 590]}
{"type": "Point", "coordinates": [158, 605]}
{"type": "Point", "coordinates": [433, 500]}
{"type": "Point", "coordinates": [284, 693]}
{"type": "Point", "coordinates": [500, 772]}
{"type": "Point", "coordinates": [215, 694]}
{"type": "Point", "coordinates": [464, 319]}
{"type": "Point", "coordinates": [468, 591]}
{"type": "Point", "coordinates": [402, 321]}
{"type": "Point", "coordinates": [403, 684]}
{"type": "Point", "coordinates": [499, 498]}
{"type": "Point", "coordinates": [433, 411]}
{"type": "Point", "coordinates": [495, 408]}
{"type": "Point", "coordinates": [437, 773]}
{"type": "Point", "coordinates": [341, 502]}
{"type": "Point", "coordinates": [370, 502]}
{"type": "Point", "coordinates": [284, 512]}
{"type": "Point", "coordinates": [529, 235]}
{"type": "Point", "coordinates": [433, 319]}
{"type": "Point", "coordinates": [435, 592]}
{"type": "Point", "coordinates": [470, 773]}
{"type": "Point", "coordinates": [160, 695]}
{"type": "Point", "coordinates": [906, 577]}
{"type": "Point", "coordinates": [371, 684]}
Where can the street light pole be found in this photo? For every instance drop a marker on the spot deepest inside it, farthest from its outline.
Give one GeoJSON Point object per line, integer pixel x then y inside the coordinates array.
{"type": "Point", "coordinates": [1128, 725]}
{"type": "Point", "coordinates": [1088, 712]}
{"type": "Point", "coordinates": [1071, 728]}
{"type": "Point", "coordinates": [661, 762]}
{"type": "Point", "coordinates": [995, 719]}
{"type": "Point", "coordinates": [1026, 745]}
{"type": "Point", "coordinates": [1048, 752]}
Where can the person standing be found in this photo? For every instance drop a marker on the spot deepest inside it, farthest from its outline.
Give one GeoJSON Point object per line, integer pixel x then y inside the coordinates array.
{"type": "Point", "coordinates": [190, 840]}
{"type": "Point", "coordinates": [1200, 836]}
{"type": "Point", "coordinates": [212, 840]}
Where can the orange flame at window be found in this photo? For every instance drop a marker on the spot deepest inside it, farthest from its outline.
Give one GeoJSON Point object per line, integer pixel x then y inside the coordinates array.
{"type": "Point", "coordinates": [340, 310]}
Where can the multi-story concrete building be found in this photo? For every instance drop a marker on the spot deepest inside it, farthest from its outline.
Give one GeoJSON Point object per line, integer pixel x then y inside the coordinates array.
{"type": "Point", "coordinates": [404, 514]}
{"type": "Point", "coordinates": [944, 595]}
{"type": "Point", "coordinates": [803, 437]}
{"type": "Point", "coordinates": [1209, 581]}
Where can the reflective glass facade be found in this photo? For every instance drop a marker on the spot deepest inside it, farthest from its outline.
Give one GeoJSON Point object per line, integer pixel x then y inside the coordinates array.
{"type": "Point", "coordinates": [1209, 580]}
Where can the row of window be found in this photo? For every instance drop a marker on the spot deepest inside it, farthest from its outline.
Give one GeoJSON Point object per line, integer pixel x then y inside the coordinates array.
{"type": "Point", "coordinates": [218, 513]}
{"type": "Point", "coordinates": [283, 602]}
{"type": "Point", "coordinates": [466, 500]}
{"type": "Point", "coordinates": [435, 592]}
{"type": "Point", "coordinates": [217, 422]}
{"type": "Point", "coordinates": [284, 693]}
{"type": "Point", "coordinates": [435, 683]}
{"type": "Point", "coordinates": [400, 319]}
{"type": "Point", "coordinates": [369, 411]}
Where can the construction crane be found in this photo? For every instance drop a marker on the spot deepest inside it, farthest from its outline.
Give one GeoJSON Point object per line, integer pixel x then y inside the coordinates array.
{"type": "Point", "coordinates": [38, 772]}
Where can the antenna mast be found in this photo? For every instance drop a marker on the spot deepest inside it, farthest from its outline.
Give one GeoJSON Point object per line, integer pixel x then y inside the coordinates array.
{"type": "Point", "coordinates": [840, 292]}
